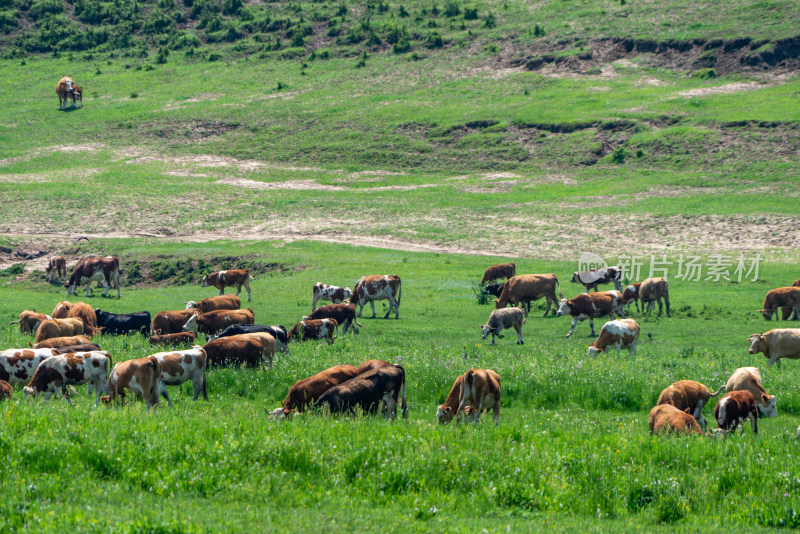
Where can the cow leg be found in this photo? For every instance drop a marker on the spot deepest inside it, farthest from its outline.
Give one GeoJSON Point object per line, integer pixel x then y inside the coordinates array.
{"type": "Point", "coordinates": [795, 313]}
{"type": "Point", "coordinates": [162, 390]}
{"type": "Point", "coordinates": [549, 300]}
{"type": "Point", "coordinates": [632, 349]}
{"type": "Point", "coordinates": [314, 301]}
{"type": "Point", "coordinates": [753, 422]}
{"type": "Point", "coordinates": [247, 287]}
{"type": "Point", "coordinates": [493, 334]}
{"type": "Point", "coordinates": [591, 325]}
{"type": "Point", "coordinates": [496, 413]}
{"type": "Point", "coordinates": [392, 304]}
{"type": "Point", "coordinates": [660, 307]}
{"type": "Point", "coordinates": [105, 283]}
{"type": "Point", "coordinates": [222, 290]}
{"type": "Point", "coordinates": [86, 293]}
{"type": "Point", "coordinates": [698, 414]}
{"type": "Point", "coordinates": [372, 303]}
{"type": "Point", "coordinates": [360, 308]}
{"type": "Point", "coordinates": [518, 328]}
{"type": "Point", "coordinates": [571, 330]}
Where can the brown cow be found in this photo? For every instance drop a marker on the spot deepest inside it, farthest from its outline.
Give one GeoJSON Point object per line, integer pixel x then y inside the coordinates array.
{"type": "Point", "coordinates": [749, 379]}
{"type": "Point", "coordinates": [231, 278]}
{"type": "Point", "coordinates": [236, 350]}
{"type": "Point", "coordinates": [77, 94]}
{"type": "Point", "coordinates": [786, 311]}
{"type": "Point", "coordinates": [56, 269]}
{"type": "Point", "coordinates": [218, 320]}
{"type": "Point", "coordinates": [345, 315]}
{"type": "Point", "coordinates": [371, 364]}
{"type": "Point", "coordinates": [5, 390]}
{"type": "Point", "coordinates": [140, 375]}
{"type": "Point", "coordinates": [591, 305]}
{"type": "Point", "coordinates": [781, 297]}
{"type": "Point", "coordinates": [377, 287]}
{"type": "Point", "coordinates": [690, 397]}
{"type": "Point", "coordinates": [529, 287]}
{"type": "Point", "coordinates": [314, 329]}
{"type": "Point", "coordinates": [334, 294]}
{"type": "Point", "coordinates": [177, 338]}
{"type": "Point", "coordinates": [75, 369]}
{"type": "Point", "coordinates": [64, 90]}
{"type": "Point", "coordinates": [653, 290]}
{"type": "Point", "coordinates": [304, 392]}
{"type": "Point", "coordinates": [480, 391]}
{"type": "Point", "coordinates": [620, 334]}
{"type": "Point", "coordinates": [87, 315]}
{"type": "Point", "coordinates": [58, 342]}
{"type": "Point", "coordinates": [631, 294]}
{"type": "Point", "coordinates": [18, 365]}
{"type": "Point", "coordinates": [733, 409]}
{"type": "Point", "coordinates": [368, 391]}
{"type": "Point", "coordinates": [171, 322]}
{"type": "Point", "coordinates": [51, 328]}
{"type": "Point", "coordinates": [29, 321]}
{"type": "Point", "coordinates": [98, 269]}
{"type": "Point", "coordinates": [181, 365]}
{"type": "Point", "coordinates": [268, 345]}
{"type": "Point", "coordinates": [220, 302]}
{"type": "Point", "coordinates": [83, 347]}
{"type": "Point", "coordinates": [446, 411]}
{"type": "Point", "coordinates": [62, 309]}
{"type": "Point", "coordinates": [666, 418]}
{"type": "Point", "coordinates": [499, 272]}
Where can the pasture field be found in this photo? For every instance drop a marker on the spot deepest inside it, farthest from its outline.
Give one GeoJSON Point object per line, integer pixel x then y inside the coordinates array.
{"type": "Point", "coordinates": [571, 452]}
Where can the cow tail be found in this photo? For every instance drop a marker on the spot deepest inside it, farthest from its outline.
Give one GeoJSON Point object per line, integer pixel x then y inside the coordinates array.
{"type": "Point", "coordinates": [721, 388]}
{"type": "Point", "coordinates": [15, 322]}
{"type": "Point", "coordinates": [399, 290]}
{"type": "Point", "coordinates": [404, 404]}
{"type": "Point", "coordinates": [558, 286]}
{"type": "Point", "coordinates": [355, 320]}
{"type": "Point", "coordinates": [155, 386]}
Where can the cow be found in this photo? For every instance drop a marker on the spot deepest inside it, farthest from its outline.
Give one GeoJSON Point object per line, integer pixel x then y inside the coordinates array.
{"type": "Point", "coordinates": [82, 347]}
{"type": "Point", "coordinates": [631, 294]}
{"type": "Point", "coordinates": [603, 275]}
{"type": "Point", "coordinates": [498, 272]}
{"type": "Point", "coordinates": [74, 369]}
{"type": "Point", "coordinates": [688, 396]}
{"type": "Point", "coordinates": [171, 322]}
{"type": "Point", "coordinates": [181, 365]}
{"type": "Point", "coordinates": [653, 290]}
{"type": "Point", "coordinates": [64, 90]}
{"type": "Point", "coordinates": [217, 320]}
{"type": "Point", "coordinates": [480, 391]}
{"type": "Point", "coordinates": [334, 294]}
{"type": "Point", "coordinates": [51, 328]}
{"type": "Point", "coordinates": [620, 334]}
{"type": "Point", "coordinates": [140, 375]}
{"type": "Point", "coordinates": [305, 392]}
{"type": "Point", "coordinates": [776, 344]}
{"type": "Point", "coordinates": [590, 305]}
{"type": "Point", "coordinates": [666, 418]}
{"type": "Point", "coordinates": [235, 350]}
{"type": "Point", "coordinates": [77, 94]}
{"type": "Point", "coordinates": [277, 331]}
{"type": "Point", "coordinates": [18, 365]}
{"type": "Point", "coordinates": [733, 409]}
{"type": "Point", "coordinates": [505, 318]}
{"type": "Point", "coordinates": [377, 287]}
{"type": "Point", "coordinates": [372, 364]}
{"type": "Point", "coordinates": [172, 340]}
{"type": "Point", "coordinates": [267, 345]}
{"type": "Point", "coordinates": [29, 321]}
{"type": "Point", "coordinates": [87, 315]}
{"type": "Point", "coordinates": [787, 310]}
{"type": "Point", "coordinates": [314, 329]}
{"type": "Point", "coordinates": [494, 289]}
{"type": "Point", "coordinates": [529, 287]}
{"type": "Point", "coordinates": [446, 411]}
{"type": "Point", "coordinates": [220, 302]}
{"type": "Point", "coordinates": [749, 379]}
{"type": "Point", "coordinates": [105, 269]}
{"type": "Point", "coordinates": [368, 391]}
{"type": "Point", "coordinates": [231, 278]}
{"type": "Point", "coordinates": [56, 269]}
{"type": "Point", "coordinates": [58, 342]}
{"type": "Point", "coordinates": [62, 309]}
{"type": "Point", "coordinates": [5, 390]}
{"type": "Point", "coordinates": [782, 297]}
{"type": "Point", "coordinates": [122, 323]}
{"type": "Point", "coordinates": [345, 315]}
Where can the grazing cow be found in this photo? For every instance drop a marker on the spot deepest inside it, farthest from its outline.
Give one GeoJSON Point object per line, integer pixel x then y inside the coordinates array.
{"type": "Point", "coordinates": [498, 272]}
{"type": "Point", "coordinates": [776, 344]}
{"type": "Point", "coordinates": [667, 419]}
{"type": "Point", "coordinates": [787, 311]}
{"type": "Point", "coordinates": [749, 379]}
{"type": "Point", "coordinates": [18, 365]}
{"type": "Point", "coordinates": [171, 322]}
{"type": "Point", "coordinates": [29, 321]}
{"type": "Point", "coordinates": [527, 288]}
{"type": "Point", "coordinates": [64, 90]}
{"type": "Point", "coordinates": [591, 305]}
{"type": "Point", "coordinates": [236, 350]}
{"type": "Point", "coordinates": [231, 278]}
{"type": "Point", "coordinates": [620, 334]}
{"type": "Point", "coordinates": [305, 392]}
{"type": "Point", "coordinates": [5, 390]}
{"type": "Point", "coordinates": [87, 315]}
{"type": "Point", "coordinates": [181, 365]}
{"type": "Point", "coordinates": [782, 297]}
{"type": "Point", "coordinates": [653, 290]}
{"type": "Point", "coordinates": [140, 375]}
{"type": "Point", "coordinates": [62, 309]}
{"type": "Point", "coordinates": [505, 318]}
{"type": "Point", "coordinates": [220, 302]}
{"type": "Point", "coordinates": [122, 323]}
{"type": "Point", "coordinates": [494, 289]}
{"type": "Point", "coordinates": [267, 345]}
{"type": "Point", "coordinates": [277, 331]}
{"type": "Point", "coordinates": [83, 347]}
{"type": "Point", "coordinates": [593, 277]}
{"type": "Point", "coordinates": [56, 269]}
{"type": "Point", "coordinates": [314, 329]}
{"type": "Point", "coordinates": [631, 294]}
{"type": "Point", "coordinates": [77, 94]}
{"type": "Point", "coordinates": [377, 287]}
{"type": "Point", "coordinates": [90, 270]}
{"type": "Point", "coordinates": [58, 342]}
{"type": "Point", "coordinates": [690, 397]}
{"type": "Point", "coordinates": [177, 338]}
{"type": "Point", "coordinates": [446, 411]}
{"type": "Point", "coordinates": [480, 391]}
{"type": "Point", "coordinates": [345, 315]}
{"type": "Point", "coordinates": [733, 409]}
{"type": "Point", "coordinates": [369, 390]}
{"type": "Point", "coordinates": [51, 328]}
{"type": "Point", "coordinates": [75, 369]}
{"type": "Point", "coordinates": [217, 320]}
{"type": "Point", "coordinates": [334, 294]}
{"type": "Point", "coordinates": [372, 364]}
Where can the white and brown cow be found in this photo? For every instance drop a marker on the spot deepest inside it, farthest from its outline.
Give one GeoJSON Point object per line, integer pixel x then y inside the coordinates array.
{"type": "Point", "coordinates": [56, 269]}
{"type": "Point", "coordinates": [620, 334]}
{"type": "Point", "coordinates": [782, 297]}
{"type": "Point", "coordinates": [326, 292]}
{"type": "Point", "coordinates": [344, 313]}
{"type": "Point", "coordinates": [525, 288]}
{"type": "Point", "coordinates": [776, 344]}
{"type": "Point", "coordinates": [631, 295]}
{"type": "Point", "coordinates": [733, 409]}
{"type": "Point", "coordinates": [140, 375]}
{"type": "Point", "coordinates": [98, 269]}
{"type": "Point", "coordinates": [499, 272]}
{"type": "Point", "coordinates": [29, 321]}
{"type": "Point", "coordinates": [502, 319]}
{"type": "Point", "coordinates": [377, 287]}
{"type": "Point", "coordinates": [304, 392]}
{"type": "Point", "coordinates": [181, 365]}
{"type": "Point", "coordinates": [603, 275]}
{"type": "Point", "coordinates": [667, 419]}
{"type": "Point", "coordinates": [57, 372]}
{"type": "Point", "coordinates": [171, 322]}
{"type": "Point", "coordinates": [220, 302]}
{"type": "Point", "coordinates": [314, 329]}
{"type": "Point", "coordinates": [230, 278]}
{"type": "Point", "coordinates": [51, 328]}
{"type": "Point", "coordinates": [688, 396]}
{"type": "Point", "coordinates": [445, 412]}
{"type": "Point", "coordinates": [591, 305]}
{"type": "Point", "coordinates": [215, 321]}
{"type": "Point", "coordinates": [18, 365]}
{"type": "Point", "coordinates": [749, 379]}
{"type": "Point", "coordinates": [480, 391]}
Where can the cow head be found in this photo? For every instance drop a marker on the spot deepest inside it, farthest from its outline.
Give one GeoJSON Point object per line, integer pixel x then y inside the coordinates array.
{"type": "Point", "coordinates": [593, 351]}
{"type": "Point", "coordinates": [70, 288]}
{"type": "Point", "coordinates": [204, 281]}
{"type": "Point", "coordinates": [756, 343]}
{"type": "Point", "coordinates": [487, 330]}
{"type": "Point", "coordinates": [767, 314]}
{"type": "Point", "coordinates": [29, 391]}
{"type": "Point", "coordinates": [563, 308]}
{"type": "Point", "coordinates": [767, 405]}
{"type": "Point", "coordinates": [106, 399]}
{"type": "Point", "coordinates": [191, 304]}
{"type": "Point", "coordinates": [191, 324]}
{"type": "Point", "coordinates": [444, 415]}
{"type": "Point", "coordinates": [347, 292]}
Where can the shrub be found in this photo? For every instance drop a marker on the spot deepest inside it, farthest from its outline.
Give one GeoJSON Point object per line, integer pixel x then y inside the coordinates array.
{"type": "Point", "coordinates": [480, 296]}
{"type": "Point", "coordinates": [705, 74]}
{"type": "Point", "coordinates": [231, 7]}
{"type": "Point", "coordinates": [452, 9]}
{"type": "Point", "coordinates": [618, 156]}
{"type": "Point", "coordinates": [401, 47]}
{"type": "Point", "coordinates": [489, 21]}
{"type": "Point", "coordinates": [44, 7]}
{"type": "Point", "coordinates": [470, 13]}
{"type": "Point", "coordinates": [14, 270]}
{"type": "Point", "coordinates": [403, 13]}
{"type": "Point", "coordinates": [162, 55]}
{"type": "Point", "coordinates": [538, 31]}
{"type": "Point", "coordinates": [434, 40]}
{"type": "Point", "coordinates": [8, 21]}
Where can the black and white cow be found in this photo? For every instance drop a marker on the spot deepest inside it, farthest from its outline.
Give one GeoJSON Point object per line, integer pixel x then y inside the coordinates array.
{"type": "Point", "coordinates": [326, 292]}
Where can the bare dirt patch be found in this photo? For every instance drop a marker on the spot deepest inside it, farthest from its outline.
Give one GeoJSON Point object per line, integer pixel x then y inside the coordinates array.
{"type": "Point", "coordinates": [298, 185]}
{"type": "Point", "coordinates": [723, 89]}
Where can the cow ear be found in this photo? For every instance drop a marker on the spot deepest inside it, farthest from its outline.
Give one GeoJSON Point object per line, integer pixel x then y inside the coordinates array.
{"type": "Point", "coordinates": [447, 410]}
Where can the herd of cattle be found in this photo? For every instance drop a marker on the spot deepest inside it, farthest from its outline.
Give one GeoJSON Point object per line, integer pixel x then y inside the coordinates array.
{"type": "Point", "coordinates": [64, 355]}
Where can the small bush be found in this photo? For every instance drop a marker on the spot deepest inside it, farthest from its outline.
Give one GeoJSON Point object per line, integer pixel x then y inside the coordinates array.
{"type": "Point", "coordinates": [401, 47]}
{"type": "Point", "coordinates": [434, 40]}
{"type": "Point", "coordinates": [470, 13]}
{"type": "Point", "coordinates": [452, 9]}
{"type": "Point", "coordinates": [618, 156]}
{"type": "Point", "coordinates": [704, 74]}
{"type": "Point", "coordinates": [134, 95]}
{"type": "Point", "coordinates": [489, 21]}
{"type": "Point", "coordinates": [14, 270]}
{"type": "Point", "coordinates": [480, 295]}
{"type": "Point", "coordinates": [162, 55]}
{"type": "Point", "coordinates": [538, 31]}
